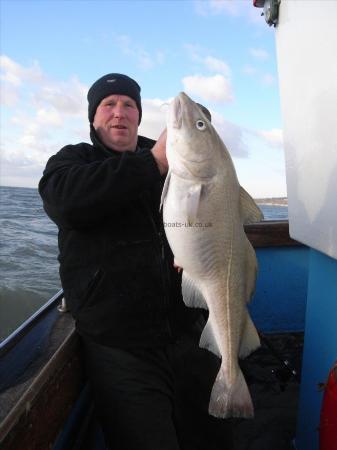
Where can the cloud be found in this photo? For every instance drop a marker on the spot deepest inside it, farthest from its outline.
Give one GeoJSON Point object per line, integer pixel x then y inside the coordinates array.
{"type": "Point", "coordinates": [233, 8]}
{"type": "Point", "coordinates": [53, 113]}
{"type": "Point", "coordinates": [231, 134]}
{"type": "Point", "coordinates": [144, 59]}
{"type": "Point", "coordinates": [66, 97]}
{"type": "Point", "coordinates": [9, 95]}
{"type": "Point", "coordinates": [230, 7]}
{"type": "Point", "coordinates": [217, 65]}
{"type": "Point", "coordinates": [268, 79]}
{"type": "Point", "coordinates": [273, 137]}
{"type": "Point", "coordinates": [259, 53]}
{"type": "Point", "coordinates": [16, 74]}
{"type": "Point", "coordinates": [154, 117]}
{"type": "Point", "coordinates": [49, 116]}
{"type": "Point", "coordinates": [249, 70]}
{"type": "Point", "coordinates": [32, 85]}
{"type": "Point", "coordinates": [40, 115]}
{"type": "Point", "coordinates": [215, 88]}
{"type": "Point", "coordinates": [212, 64]}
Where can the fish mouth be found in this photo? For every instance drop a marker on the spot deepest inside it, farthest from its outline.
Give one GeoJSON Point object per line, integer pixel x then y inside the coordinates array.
{"type": "Point", "coordinates": [177, 113]}
{"type": "Point", "coordinates": [180, 104]}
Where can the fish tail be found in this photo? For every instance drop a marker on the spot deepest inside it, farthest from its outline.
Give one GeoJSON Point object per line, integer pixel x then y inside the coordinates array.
{"type": "Point", "coordinates": [233, 401]}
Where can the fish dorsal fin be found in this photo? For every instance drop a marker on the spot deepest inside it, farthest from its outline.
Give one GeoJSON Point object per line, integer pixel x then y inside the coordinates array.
{"type": "Point", "coordinates": [192, 295]}
{"type": "Point", "coordinates": [251, 271]}
{"type": "Point", "coordinates": [208, 341]}
{"type": "Point", "coordinates": [192, 201]}
{"type": "Point", "coordinates": [250, 212]}
{"type": "Point", "coordinates": [165, 189]}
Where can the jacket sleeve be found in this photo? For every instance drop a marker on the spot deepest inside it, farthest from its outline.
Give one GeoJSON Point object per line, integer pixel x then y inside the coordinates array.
{"type": "Point", "coordinates": [78, 194]}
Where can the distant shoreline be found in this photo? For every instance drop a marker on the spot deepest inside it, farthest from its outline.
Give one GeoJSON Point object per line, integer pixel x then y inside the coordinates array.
{"type": "Point", "coordinates": [273, 201]}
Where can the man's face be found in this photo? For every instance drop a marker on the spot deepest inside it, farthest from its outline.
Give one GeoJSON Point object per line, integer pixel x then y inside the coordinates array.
{"type": "Point", "coordinates": [116, 122]}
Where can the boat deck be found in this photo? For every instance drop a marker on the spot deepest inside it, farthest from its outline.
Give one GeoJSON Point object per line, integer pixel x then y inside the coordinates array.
{"type": "Point", "coordinates": [274, 390]}
{"type": "Point", "coordinates": [275, 393]}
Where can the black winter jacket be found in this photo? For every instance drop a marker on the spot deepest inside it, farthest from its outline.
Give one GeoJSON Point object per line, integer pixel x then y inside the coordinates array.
{"type": "Point", "coordinates": [116, 267]}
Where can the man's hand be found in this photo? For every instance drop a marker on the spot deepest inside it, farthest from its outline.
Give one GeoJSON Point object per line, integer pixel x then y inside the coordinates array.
{"type": "Point", "coordinates": [178, 268]}
{"type": "Point", "coordinates": [159, 153]}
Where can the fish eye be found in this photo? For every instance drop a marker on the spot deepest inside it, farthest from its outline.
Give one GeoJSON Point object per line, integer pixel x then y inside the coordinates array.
{"type": "Point", "coordinates": [200, 124]}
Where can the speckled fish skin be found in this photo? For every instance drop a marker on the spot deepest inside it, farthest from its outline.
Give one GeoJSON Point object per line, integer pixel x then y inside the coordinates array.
{"type": "Point", "coordinates": [204, 210]}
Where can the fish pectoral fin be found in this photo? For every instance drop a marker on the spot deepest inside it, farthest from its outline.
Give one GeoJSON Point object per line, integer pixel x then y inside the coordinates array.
{"type": "Point", "coordinates": [165, 190]}
{"type": "Point", "coordinates": [192, 202]}
{"type": "Point", "coordinates": [192, 295]}
{"type": "Point", "coordinates": [250, 340]}
{"type": "Point", "coordinates": [250, 212]}
{"type": "Point", "coordinates": [230, 401]}
{"type": "Point", "coordinates": [207, 340]}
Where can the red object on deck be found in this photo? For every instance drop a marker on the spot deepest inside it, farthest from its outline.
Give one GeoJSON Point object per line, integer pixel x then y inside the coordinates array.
{"type": "Point", "coordinates": [328, 422]}
{"type": "Point", "coordinates": [258, 3]}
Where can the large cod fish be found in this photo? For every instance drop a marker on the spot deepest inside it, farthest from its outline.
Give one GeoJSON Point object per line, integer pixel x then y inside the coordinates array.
{"type": "Point", "coordinates": [204, 209]}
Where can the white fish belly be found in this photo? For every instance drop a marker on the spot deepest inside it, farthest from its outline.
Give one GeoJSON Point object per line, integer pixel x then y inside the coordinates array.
{"type": "Point", "coordinates": [196, 241]}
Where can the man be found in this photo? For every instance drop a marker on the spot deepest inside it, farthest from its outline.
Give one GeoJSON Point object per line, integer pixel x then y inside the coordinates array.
{"type": "Point", "coordinates": [139, 340]}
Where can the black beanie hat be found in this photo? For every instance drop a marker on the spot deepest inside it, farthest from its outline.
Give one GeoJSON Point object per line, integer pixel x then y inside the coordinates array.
{"type": "Point", "coordinates": [113, 83]}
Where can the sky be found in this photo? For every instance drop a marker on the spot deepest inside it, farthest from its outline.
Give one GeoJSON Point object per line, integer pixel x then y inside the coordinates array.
{"type": "Point", "coordinates": [220, 52]}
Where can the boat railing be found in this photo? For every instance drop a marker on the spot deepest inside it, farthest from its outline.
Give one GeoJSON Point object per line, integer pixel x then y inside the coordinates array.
{"type": "Point", "coordinates": [270, 233]}
{"type": "Point", "coordinates": [41, 377]}
{"type": "Point", "coordinates": [10, 341]}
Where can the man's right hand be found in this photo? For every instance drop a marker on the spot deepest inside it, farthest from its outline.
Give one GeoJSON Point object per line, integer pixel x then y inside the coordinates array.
{"type": "Point", "coordinates": [159, 153]}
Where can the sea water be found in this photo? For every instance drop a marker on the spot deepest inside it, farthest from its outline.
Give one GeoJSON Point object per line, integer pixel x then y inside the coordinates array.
{"type": "Point", "coordinates": [28, 252]}
{"type": "Point", "coordinates": [28, 255]}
